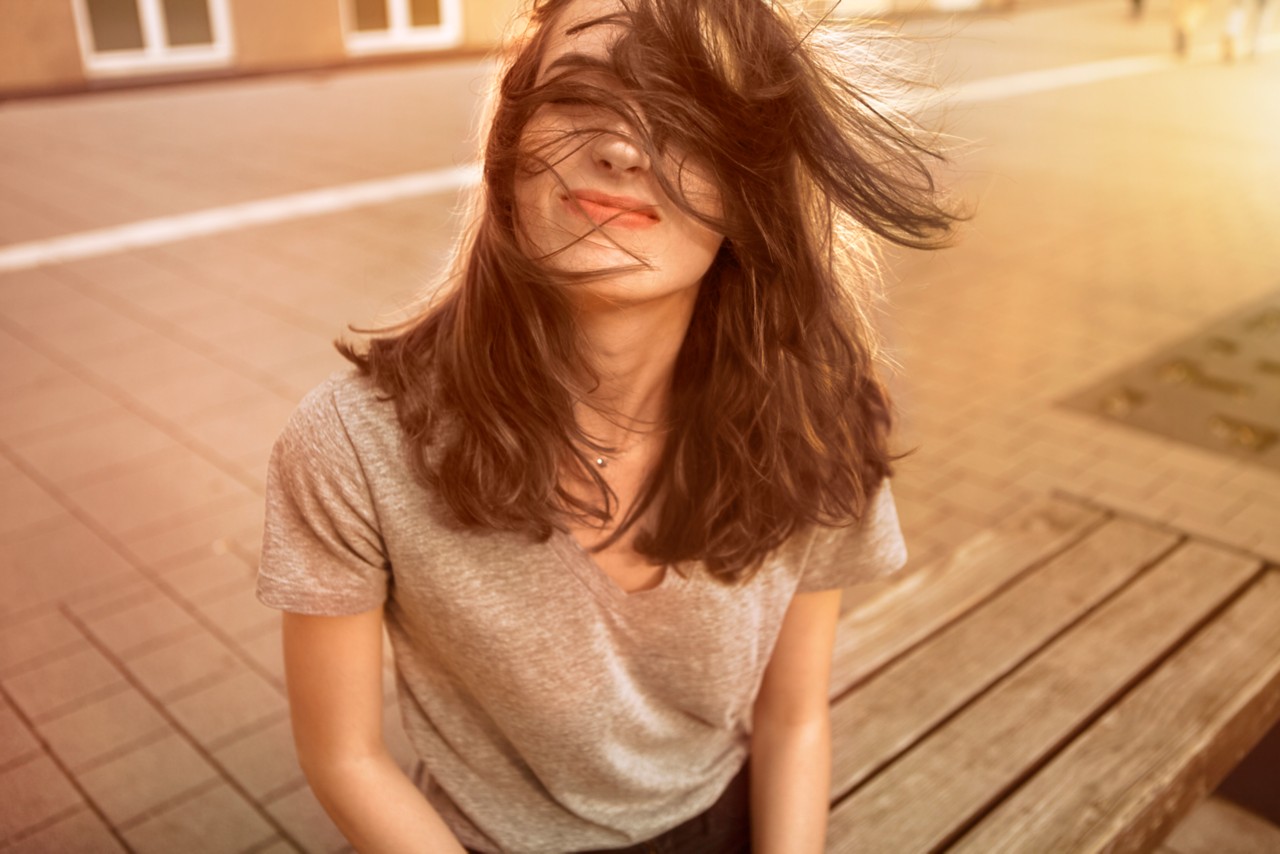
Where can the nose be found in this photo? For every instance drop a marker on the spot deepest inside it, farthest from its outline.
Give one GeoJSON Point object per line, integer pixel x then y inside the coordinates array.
{"type": "Point", "coordinates": [615, 151]}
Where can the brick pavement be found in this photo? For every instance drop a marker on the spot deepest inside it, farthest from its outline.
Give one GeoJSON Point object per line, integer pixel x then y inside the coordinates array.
{"type": "Point", "coordinates": [141, 695]}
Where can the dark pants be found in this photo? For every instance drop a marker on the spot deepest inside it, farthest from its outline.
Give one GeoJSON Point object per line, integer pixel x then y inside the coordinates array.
{"type": "Point", "coordinates": [725, 828]}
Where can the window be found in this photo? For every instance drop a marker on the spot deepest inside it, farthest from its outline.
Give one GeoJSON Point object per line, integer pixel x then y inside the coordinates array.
{"type": "Point", "coordinates": [130, 36]}
{"type": "Point", "coordinates": [378, 26]}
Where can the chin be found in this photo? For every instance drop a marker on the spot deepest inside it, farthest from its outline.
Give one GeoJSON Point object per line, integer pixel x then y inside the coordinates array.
{"type": "Point", "coordinates": [632, 290]}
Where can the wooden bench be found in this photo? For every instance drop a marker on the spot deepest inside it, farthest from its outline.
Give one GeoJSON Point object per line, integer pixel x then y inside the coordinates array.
{"type": "Point", "coordinates": [1069, 681]}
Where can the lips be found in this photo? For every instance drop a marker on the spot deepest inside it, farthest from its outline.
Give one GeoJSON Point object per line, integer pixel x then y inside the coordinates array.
{"type": "Point", "coordinates": [607, 209]}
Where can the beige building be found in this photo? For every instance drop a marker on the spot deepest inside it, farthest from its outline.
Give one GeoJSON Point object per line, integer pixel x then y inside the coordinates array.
{"type": "Point", "coordinates": [51, 46]}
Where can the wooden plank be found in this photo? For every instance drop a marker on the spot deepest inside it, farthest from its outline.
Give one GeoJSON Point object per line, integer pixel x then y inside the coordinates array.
{"type": "Point", "coordinates": [1141, 767]}
{"type": "Point", "coordinates": [901, 704]}
{"type": "Point", "coordinates": [874, 632]}
{"type": "Point", "coordinates": [970, 762]}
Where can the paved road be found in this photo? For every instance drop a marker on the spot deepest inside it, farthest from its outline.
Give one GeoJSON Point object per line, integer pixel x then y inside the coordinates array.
{"type": "Point", "coordinates": [1123, 200]}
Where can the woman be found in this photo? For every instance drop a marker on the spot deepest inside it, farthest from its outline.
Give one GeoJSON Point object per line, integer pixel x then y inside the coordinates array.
{"type": "Point", "coordinates": [603, 494]}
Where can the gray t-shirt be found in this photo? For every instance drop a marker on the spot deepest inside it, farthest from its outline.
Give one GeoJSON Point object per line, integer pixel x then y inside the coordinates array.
{"type": "Point", "coordinates": [553, 711]}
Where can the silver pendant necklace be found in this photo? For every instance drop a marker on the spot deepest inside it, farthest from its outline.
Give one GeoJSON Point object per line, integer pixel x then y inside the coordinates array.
{"type": "Point", "coordinates": [603, 461]}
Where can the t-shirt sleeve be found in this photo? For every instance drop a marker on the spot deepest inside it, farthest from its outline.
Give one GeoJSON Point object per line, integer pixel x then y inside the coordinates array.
{"type": "Point", "coordinates": [863, 551]}
{"type": "Point", "coordinates": [322, 552]}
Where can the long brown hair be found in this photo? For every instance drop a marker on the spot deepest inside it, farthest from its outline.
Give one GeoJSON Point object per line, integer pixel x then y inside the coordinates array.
{"type": "Point", "coordinates": [780, 421]}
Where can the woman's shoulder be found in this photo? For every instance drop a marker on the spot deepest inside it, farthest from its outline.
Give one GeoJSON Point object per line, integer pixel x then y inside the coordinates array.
{"type": "Point", "coordinates": [344, 408]}
{"type": "Point", "coordinates": [860, 550]}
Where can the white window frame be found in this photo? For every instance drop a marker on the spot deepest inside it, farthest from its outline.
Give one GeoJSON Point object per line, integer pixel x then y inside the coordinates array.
{"type": "Point", "coordinates": [156, 53]}
{"type": "Point", "coordinates": [400, 34]}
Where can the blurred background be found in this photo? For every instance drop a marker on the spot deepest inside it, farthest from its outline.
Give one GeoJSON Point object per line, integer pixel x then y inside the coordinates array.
{"type": "Point", "coordinates": [198, 196]}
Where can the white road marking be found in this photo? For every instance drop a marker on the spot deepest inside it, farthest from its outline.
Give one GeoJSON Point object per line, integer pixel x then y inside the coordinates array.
{"type": "Point", "coordinates": [1064, 77]}
{"type": "Point", "coordinates": [170, 229]}
{"type": "Point", "coordinates": [1044, 80]}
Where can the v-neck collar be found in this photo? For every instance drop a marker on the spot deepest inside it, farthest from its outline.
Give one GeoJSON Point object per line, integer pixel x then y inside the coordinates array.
{"type": "Point", "coordinates": [579, 561]}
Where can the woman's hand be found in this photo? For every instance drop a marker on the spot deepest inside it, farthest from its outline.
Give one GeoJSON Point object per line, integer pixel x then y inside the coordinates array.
{"type": "Point", "coordinates": [791, 731]}
{"type": "Point", "coordinates": [333, 667]}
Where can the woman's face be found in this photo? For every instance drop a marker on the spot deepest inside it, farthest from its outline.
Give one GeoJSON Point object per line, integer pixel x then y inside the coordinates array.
{"type": "Point", "coordinates": [602, 207]}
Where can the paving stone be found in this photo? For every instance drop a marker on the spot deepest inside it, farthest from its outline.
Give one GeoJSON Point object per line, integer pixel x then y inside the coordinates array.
{"type": "Point", "coordinates": [1135, 482]}
{"type": "Point", "coordinates": [1258, 484]}
{"type": "Point", "coordinates": [141, 625]}
{"type": "Point", "coordinates": [180, 665]}
{"type": "Point", "coordinates": [263, 761]}
{"type": "Point", "coordinates": [101, 728]}
{"type": "Point", "coordinates": [64, 683]}
{"type": "Point", "coordinates": [82, 832]}
{"type": "Point", "coordinates": [253, 468]}
{"type": "Point", "coordinates": [153, 359]}
{"type": "Point", "coordinates": [268, 651]}
{"type": "Point", "coordinates": [240, 614]}
{"type": "Point", "coordinates": [229, 317]}
{"type": "Point", "coordinates": [33, 792]}
{"type": "Point", "coordinates": [227, 261]}
{"type": "Point", "coordinates": [47, 407]}
{"type": "Point", "coordinates": [36, 637]}
{"type": "Point", "coordinates": [916, 523]}
{"type": "Point", "coordinates": [16, 741]}
{"type": "Point", "coordinates": [218, 821]}
{"type": "Point", "coordinates": [94, 448]}
{"type": "Point", "coordinates": [992, 463]}
{"type": "Point", "coordinates": [277, 342]}
{"type": "Point", "coordinates": [1182, 495]}
{"type": "Point", "coordinates": [953, 528]}
{"type": "Point", "coordinates": [70, 559]}
{"type": "Point", "coordinates": [142, 280]}
{"type": "Point", "coordinates": [181, 399]}
{"type": "Point", "coordinates": [234, 704]}
{"type": "Point", "coordinates": [25, 504]}
{"type": "Point", "coordinates": [24, 365]}
{"type": "Point", "coordinates": [83, 326]}
{"type": "Point", "coordinates": [243, 427]}
{"type": "Point", "coordinates": [208, 576]}
{"type": "Point", "coordinates": [28, 290]}
{"type": "Point", "coordinates": [20, 222]}
{"type": "Point", "coordinates": [203, 534]}
{"type": "Point", "coordinates": [1248, 528]}
{"type": "Point", "coordinates": [162, 487]}
{"type": "Point", "coordinates": [305, 374]}
{"type": "Point", "coordinates": [109, 598]}
{"type": "Point", "coordinates": [1269, 546]}
{"type": "Point", "coordinates": [306, 821]}
{"type": "Point", "coordinates": [247, 539]}
{"type": "Point", "coordinates": [1262, 508]}
{"type": "Point", "coordinates": [145, 778]}
{"type": "Point", "coordinates": [982, 498]}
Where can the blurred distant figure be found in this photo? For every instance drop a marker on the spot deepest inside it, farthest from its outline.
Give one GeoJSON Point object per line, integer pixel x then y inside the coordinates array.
{"type": "Point", "coordinates": [1241, 34]}
{"type": "Point", "coordinates": [1187, 15]}
{"type": "Point", "coordinates": [1264, 11]}
{"type": "Point", "coordinates": [1243, 31]}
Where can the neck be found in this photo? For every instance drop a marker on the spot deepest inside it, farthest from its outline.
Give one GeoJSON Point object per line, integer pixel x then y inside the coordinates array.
{"type": "Point", "coordinates": [634, 349]}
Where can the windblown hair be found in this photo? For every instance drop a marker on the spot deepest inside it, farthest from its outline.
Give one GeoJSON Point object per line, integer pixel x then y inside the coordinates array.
{"type": "Point", "coordinates": [779, 419]}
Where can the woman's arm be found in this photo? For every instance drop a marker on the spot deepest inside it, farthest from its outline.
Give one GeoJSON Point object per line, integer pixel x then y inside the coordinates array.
{"type": "Point", "coordinates": [333, 667]}
{"type": "Point", "coordinates": [791, 731]}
